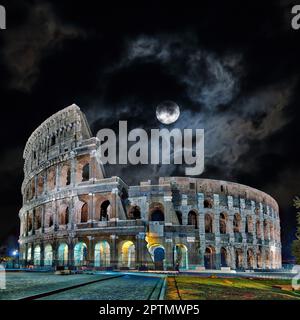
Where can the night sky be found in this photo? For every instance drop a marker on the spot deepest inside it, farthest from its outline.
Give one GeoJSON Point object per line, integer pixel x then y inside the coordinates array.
{"type": "Point", "coordinates": [232, 69]}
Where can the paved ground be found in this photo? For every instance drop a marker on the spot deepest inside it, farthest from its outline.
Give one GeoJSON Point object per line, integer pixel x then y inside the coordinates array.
{"type": "Point", "coordinates": [23, 284]}
{"type": "Point", "coordinates": [128, 287]}
{"type": "Point", "coordinates": [20, 285]}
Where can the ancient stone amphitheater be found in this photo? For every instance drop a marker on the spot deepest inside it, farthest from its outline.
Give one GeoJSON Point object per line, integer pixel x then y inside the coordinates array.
{"type": "Point", "coordinates": [75, 216]}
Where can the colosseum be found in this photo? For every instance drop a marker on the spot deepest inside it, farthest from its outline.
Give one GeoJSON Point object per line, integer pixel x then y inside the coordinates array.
{"type": "Point", "coordinates": [73, 216]}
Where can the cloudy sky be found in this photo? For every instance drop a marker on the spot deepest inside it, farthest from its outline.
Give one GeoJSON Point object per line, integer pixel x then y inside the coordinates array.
{"type": "Point", "coordinates": [234, 71]}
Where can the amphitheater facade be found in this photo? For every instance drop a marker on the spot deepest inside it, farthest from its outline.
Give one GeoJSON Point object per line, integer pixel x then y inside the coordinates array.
{"type": "Point", "coordinates": [74, 216]}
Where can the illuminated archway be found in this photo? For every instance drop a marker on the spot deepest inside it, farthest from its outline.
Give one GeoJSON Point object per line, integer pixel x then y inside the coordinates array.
{"type": "Point", "coordinates": [181, 256]}
{"type": "Point", "coordinates": [48, 255]}
{"type": "Point", "coordinates": [128, 254]}
{"type": "Point", "coordinates": [29, 254]}
{"type": "Point", "coordinates": [102, 254]}
{"type": "Point", "coordinates": [37, 255]}
{"type": "Point", "coordinates": [63, 252]}
{"type": "Point", "coordinates": [80, 254]}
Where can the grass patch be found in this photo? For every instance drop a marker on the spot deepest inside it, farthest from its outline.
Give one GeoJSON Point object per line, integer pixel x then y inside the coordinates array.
{"type": "Point", "coordinates": [214, 288]}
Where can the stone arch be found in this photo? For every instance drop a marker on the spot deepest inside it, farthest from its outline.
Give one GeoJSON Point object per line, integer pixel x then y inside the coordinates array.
{"type": "Point", "coordinates": [210, 258]}
{"type": "Point", "coordinates": [237, 222]}
{"type": "Point", "coordinates": [239, 258]}
{"type": "Point", "coordinates": [51, 178]}
{"type": "Point", "coordinates": [266, 230]}
{"type": "Point", "coordinates": [208, 203]}
{"type": "Point", "coordinates": [223, 223]}
{"type": "Point", "coordinates": [250, 259]}
{"type": "Point", "coordinates": [127, 257]}
{"type": "Point", "coordinates": [259, 258]}
{"type": "Point", "coordinates": [249, 224]}
{"type": "Point", "coordinates": [48, 255]}
{"type": "Point", "coordinates": [105, 211]}
{"type": "Point", "coordinates": [102, 254]}
{"type": "Point", "coordinates": [156, 212]}
{"type": "Point", "coordinates": [224, 257]}
{"type": "Point", "coordinates": [80, 254]}
{"type": "Point", "coordinates": [258, 231]}
{"type": "Point", "coordinates": [84, 213]}
{"type": "Point", "coordinates": [134, 212]}
{"type": "Point", "coordinates": [181, 256]}
{"type": "Point", "coordinates": [86, 172]}
{"type": "Point", "coordinates": [208, 223]}
{"type": "Point", "coordinates": [63, 254]}
{"type": "Point", "coordinates": [63, 214]}
{"type": "Point", "coordinates": [267, 259]}
{"type": "Point", "coordinates": [83, 168]}
{"type": "Point", "coordinates": [157, 252]}
{"type": "Point", "coordinates": [65, 178]}
{"type": "Point", "coordinates": [193, 219]}
{"type": "Point", "coordinates": [37, 255]}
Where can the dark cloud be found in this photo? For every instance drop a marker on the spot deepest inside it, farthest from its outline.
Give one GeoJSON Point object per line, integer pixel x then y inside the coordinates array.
{"type": "Point", "coordinates": [233, 70]}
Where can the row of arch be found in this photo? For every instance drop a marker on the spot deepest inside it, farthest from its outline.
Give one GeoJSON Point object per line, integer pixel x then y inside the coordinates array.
{"type": "Point", "coordinates": [48, 180]}
{"type": "Point", "coordinates": [127, 257]}
{"type": "Point", "coordinates": [102, 254]}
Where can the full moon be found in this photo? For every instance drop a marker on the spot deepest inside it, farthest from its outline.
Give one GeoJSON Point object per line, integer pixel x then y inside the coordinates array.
{"type": "Point", "coordinates": [167, 112]}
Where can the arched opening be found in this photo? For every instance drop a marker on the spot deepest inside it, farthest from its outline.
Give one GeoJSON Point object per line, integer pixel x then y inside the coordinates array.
{"type": "Point", "coordinates": [249, 225]}
{"type": "Point", "coordinates": [128, 255]}
{"type": "Point", "coordinates": [224, 257]}
{"type": "Point", "coordinates": [266, 230]}
{"type": "Point", "coordinates": [63, 252]}
{"type": "Point", "coordinates": [236, 223]}
{"type": "Point", "coordinates": [86, 172]}
{"type": "Point", "coordinates": [105, 211]}
{"type": "Point", "coordinates": [134, 213]}
{"type": "Point", "coordinates": [258, 231]}
{"type": "Point", "coordinates": [267, 259]}
{"type": "Point", "coordinates": [223, 223]}
{"type": "Point", "coordinates": [210, 258]}
{"type": "Point", "coordinates": [208, 223]}
{"type": "Point", "coordinates": [192, 219]}
{"type": "Point", "coordinates": [37, 255]}
{"type": "Point", "coordinates": [64, 215]}
{"type": "Point", "coordinates": [65, 178]}
{"type": "Point", "coordinates": [250, 259]}
{"type": "Point", "coordinates": [102, 254]}
{"type": "Point", "coordinates": [259, 258]}
{"type": "Point", "coordinates": [80, 254]}
{"type": "Point", "coordinates": [48, 255]}
{"type": "Point", "coordinates": [53, 141]}
{"type": "Point", "coordinates": [179, 216]}
{"type": "Point", "coordinates": [181, 256]}
{"type": "Point", "coordinates": [238, 259]}
{"type": "Point", "coordinates": [157, 215]}
{"type": "Point", "coordinates": [29, 222]}
{"type": "Point", "coordinates": [159, 256]}
{"type": "Point", "coordinates": [84, 213]}
{"type": "Point", "coordinates": [29, 254]}
{"type": "Point", "coordinates": [207, 203]}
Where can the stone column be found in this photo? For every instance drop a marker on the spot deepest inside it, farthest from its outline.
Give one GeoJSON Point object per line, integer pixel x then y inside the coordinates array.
{"type": "Point", "coordinates": [184, 208]}
{"type": "Point", "coordinates": [202, 244]}
{"type": "Point", "coordinates": [42, 256]}
{"type": "Point", "coordinates": [141, 249]}
{"type": "Point", "coordinates": [114, 251]}
{"type": "Point", "coordinates": [73, 169]}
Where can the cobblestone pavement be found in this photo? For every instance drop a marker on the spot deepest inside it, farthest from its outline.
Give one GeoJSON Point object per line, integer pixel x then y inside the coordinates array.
{"type": "Point", "coordinates": [129, 287]}
{"type": "Point", "coordinates": [23, 284]}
